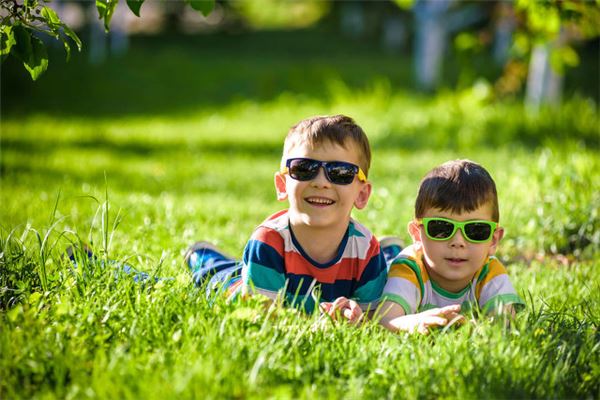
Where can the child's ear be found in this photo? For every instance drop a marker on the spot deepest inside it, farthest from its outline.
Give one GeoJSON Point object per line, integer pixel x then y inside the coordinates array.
{"type": "Point", "coordinates": [496, 237]}
{"type": "Point", "coordinates": [280, 186]}
{"type": "Point", "coordinates": [414, 230]}
{"type": "Point", "coordinates": [363, 196]}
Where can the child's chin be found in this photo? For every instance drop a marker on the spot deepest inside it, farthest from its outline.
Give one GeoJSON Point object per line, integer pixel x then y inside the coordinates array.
{"type": "Point", "coordinates": [320, 221]}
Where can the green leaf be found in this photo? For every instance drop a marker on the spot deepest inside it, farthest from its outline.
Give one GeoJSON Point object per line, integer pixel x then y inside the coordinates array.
{"type": "Point", "coordinates": [106, 9]}
{"type": "Point", "coordinates": [135, 5]}
{"type": "Point", "coordinates": [22, 48]}
{"type": "Point", "coordinates": [69, 32]}
{"type": "Point", "coordinates": [57, 27]}
{"type": "Point", "coordinates": [204, 6]}
{"type": "Point", "coordinates": [7, 39]}
{"type": "Point", "coordinates": [50, 16]}
{"type": "Point", "coordinates": [67, 47]}
{"type": "Point", "coordinates": [39, 61]}
{"type": "Point", "coordinates": [31, 51]}
{"type": "Point", "coordinates": [405, 4]}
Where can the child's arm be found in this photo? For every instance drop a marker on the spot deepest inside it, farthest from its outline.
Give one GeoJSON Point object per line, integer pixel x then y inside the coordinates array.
{"type": "Point", "coordinates": [506, 315]}
{"type": "Point", "coordinates": [498, 298]}
{"type": "Point", "coordinates": [395, 319]}
{"type": "Point", "coordinates": [263, 269]}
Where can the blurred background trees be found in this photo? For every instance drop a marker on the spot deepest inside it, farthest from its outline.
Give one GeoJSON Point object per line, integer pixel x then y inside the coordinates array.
{"type": "Point", "coordinates": [512, 48]}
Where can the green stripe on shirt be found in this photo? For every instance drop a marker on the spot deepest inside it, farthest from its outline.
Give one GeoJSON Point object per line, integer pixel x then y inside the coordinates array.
{"type": "Point", "coordinates": [394, 298]}
{"type": "Point", "coordinates": [371, 290]}
{"type": "Point", "coordinates": [502, 300]}
{"type": "Point", "coordinates": [352, 231]}
{"type": "Point", "coordinates": [264, 277]}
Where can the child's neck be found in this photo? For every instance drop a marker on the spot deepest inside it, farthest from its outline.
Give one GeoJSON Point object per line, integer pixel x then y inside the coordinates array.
{"type": "Point", "coordinates": [320, 244]}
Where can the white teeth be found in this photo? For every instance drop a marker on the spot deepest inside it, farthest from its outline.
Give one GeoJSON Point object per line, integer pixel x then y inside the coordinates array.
{"type": "Point", "coordinates": [319, 201]}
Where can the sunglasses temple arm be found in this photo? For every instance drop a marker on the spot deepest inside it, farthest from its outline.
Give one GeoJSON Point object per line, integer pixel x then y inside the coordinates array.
{"type": "Point", "coordinates": [361, 175]}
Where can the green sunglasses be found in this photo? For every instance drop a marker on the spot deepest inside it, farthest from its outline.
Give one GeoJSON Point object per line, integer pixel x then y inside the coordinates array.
{"type": "Point", "coordinates": [476, 231]}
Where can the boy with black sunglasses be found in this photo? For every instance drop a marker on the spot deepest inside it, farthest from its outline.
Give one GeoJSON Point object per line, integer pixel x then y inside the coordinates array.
{"type": "Point", "coordinates": [451, 263]}
{"type": "Point", "coordinates": [313, 251]}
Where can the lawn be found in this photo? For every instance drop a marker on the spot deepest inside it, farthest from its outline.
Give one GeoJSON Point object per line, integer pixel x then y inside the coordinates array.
{"type": "Point", "coordinates": [178, 141]}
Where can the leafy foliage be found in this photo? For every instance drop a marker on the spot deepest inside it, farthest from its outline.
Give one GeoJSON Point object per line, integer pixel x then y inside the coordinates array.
{"type": "Point", "coordinates": [558, 22]}
{"type": "Point", "coordinates": [273, 14]}
{"type": "Point", "coordinates": [23, 21]}
{"type": "Point", "coordinates": [21, 25]}
{"type": "Point", "coordinates": [558, 26]}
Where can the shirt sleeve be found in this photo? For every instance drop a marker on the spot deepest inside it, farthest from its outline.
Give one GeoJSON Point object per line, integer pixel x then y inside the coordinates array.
{"type": "Point", "coordinates": [403, 287]}
{"type": "Point", "coordinates": [263, 263]}
{"type": "Point", "coordinates": [494, 289]}
{"type": "Point", "coordinates": [372, 279]}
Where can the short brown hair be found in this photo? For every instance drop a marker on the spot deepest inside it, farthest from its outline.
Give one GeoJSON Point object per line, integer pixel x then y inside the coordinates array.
{"type": "Point", "coordinates": [458, 186]}
{"type": "Point", "coordinates": [336, 129]}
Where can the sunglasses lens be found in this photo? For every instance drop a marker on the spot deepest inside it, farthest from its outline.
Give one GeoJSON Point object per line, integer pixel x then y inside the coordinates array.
{"type": "Point", "coordinates": [341, 173]}
{"type": "Point", "coordinates": [303, 169]}
{"type": "Point", "coordinates": [478, 231]}
{"type": "Point", "coordinates": [438, 229]}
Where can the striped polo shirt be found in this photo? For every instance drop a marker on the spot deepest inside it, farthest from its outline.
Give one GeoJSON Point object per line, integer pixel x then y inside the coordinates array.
{"type": "Point", "coordinates": [409, 286]}
{"type": "Point", "coordinates": [274, 263]}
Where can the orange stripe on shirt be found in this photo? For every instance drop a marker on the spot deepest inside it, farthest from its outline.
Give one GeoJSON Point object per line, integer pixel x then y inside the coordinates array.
{"type": "Point", "coordinates": [495, 268]}
{"type": "Point", "coordinates": [346, 269]}
{"type": "Point", "coordinates": [399, 270]}
{"type": "Point", "coordinates": [270, 237]}
{"type": "Point", "coordinates": [277, 215]}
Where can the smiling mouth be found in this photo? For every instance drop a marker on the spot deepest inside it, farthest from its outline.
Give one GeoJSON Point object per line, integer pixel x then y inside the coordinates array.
{"type": "Point", "coordinates": [319, 201]}
{"type": "Point", "coordinates": [456, 260]}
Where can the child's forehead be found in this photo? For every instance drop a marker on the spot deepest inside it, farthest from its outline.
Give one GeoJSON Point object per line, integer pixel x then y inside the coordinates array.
{"type": "Point", "coordinates": [323, 147]}
{"type": "Point", "coordinates": [484, 211]}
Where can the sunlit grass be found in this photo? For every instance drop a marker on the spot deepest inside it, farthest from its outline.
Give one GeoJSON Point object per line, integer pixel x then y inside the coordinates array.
{"type": "Point", "coordinates": [202, 169]}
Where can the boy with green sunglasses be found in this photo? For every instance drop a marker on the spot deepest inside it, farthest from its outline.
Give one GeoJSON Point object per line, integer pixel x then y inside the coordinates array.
{"type": "Point", "coordinates": [451, 263]}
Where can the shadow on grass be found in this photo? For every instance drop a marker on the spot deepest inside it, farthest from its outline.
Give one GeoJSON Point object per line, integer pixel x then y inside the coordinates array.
{"type": "Point", "coordinates": [171, 74]}
{"type": "Point", "coordinates": [177, 74]}
{"type": "Point", "coordinates": [147, 167]}
{"type": "Point", "coordinates": [126, 148]}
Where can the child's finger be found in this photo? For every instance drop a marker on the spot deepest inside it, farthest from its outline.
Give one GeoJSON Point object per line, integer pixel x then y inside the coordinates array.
{"type": "Point", "coordinates": [348, 314]}
{"type": "Point", "coordinates": [354, 306]}
{"type": "Point", "coordinates": [325, 307]}
{"type": "Point", "coordinates": [353, 313]}
{"type": "Point", "coordinates": [352, 318]}
{"type": "Point", "coordinates": [457, 319]}
{"type": "Point", "coordinates": [435, 321]}
{"type": "Point", "coordinates": [340, 302]}
{"type": "Point", "coordinates": [453, 309]}
{"type": "Point", "coordinates": [444, 312]}
{"type": "Point", "coordinates": [423, 329]}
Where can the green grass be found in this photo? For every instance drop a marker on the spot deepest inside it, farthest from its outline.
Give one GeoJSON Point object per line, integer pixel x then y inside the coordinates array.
{"type": "Point", "coordinates": [181, 145]}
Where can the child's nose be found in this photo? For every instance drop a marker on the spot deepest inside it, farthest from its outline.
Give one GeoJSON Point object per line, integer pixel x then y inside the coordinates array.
{"type": "Point", "coordinates": [458, 240]}
{"type": "Point", "coordinates": [321, 178]}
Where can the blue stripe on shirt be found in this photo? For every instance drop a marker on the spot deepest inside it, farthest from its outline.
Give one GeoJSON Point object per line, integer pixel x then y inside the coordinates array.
{"type": "Point", "coordinates": [263, 254]}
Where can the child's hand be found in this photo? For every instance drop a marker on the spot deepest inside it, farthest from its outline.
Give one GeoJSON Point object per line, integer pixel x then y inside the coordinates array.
{"type": "Point", "coordinates": [424, 321]}
{"type": "Point", "coordinates": [342, 308]}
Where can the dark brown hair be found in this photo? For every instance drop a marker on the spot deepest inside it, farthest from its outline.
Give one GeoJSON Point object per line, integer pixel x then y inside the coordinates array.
{"type": "Point", "coordinates": [336, 129]}
{"type": "Point", "coordinates": [457, 186]}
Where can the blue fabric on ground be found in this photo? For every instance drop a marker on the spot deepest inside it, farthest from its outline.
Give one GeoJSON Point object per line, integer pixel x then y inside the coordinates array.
{"type": "Point", "coordinates": [206, 263]}
{"type": "Point", "coordinates": [220, 270]}
{"type": "Point", "coordinates": [390, 252]}
{"type": "Point", "coordinates": [138, 276]}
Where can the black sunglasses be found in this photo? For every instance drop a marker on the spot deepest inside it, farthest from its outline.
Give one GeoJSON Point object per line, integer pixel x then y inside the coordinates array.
{"type": "Point", "coordinates": [338, 172]}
